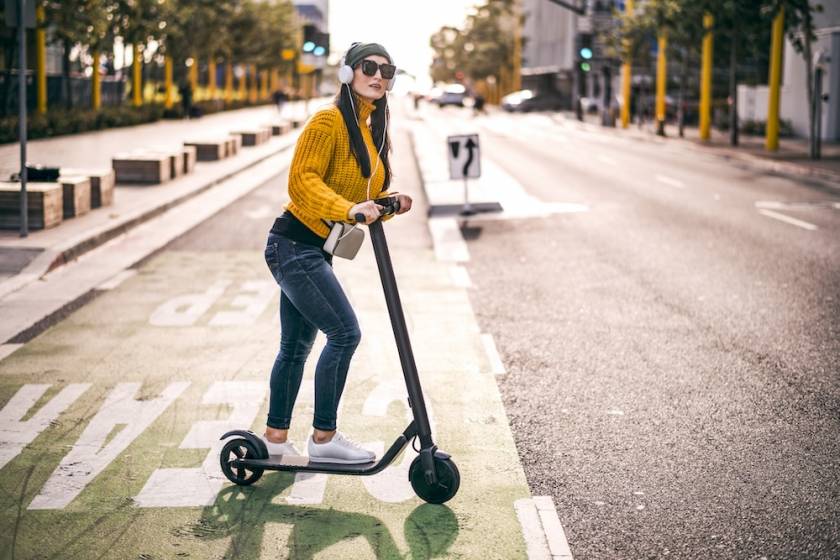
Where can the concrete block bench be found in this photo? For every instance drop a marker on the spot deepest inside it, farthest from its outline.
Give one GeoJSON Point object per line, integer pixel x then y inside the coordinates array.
{"type": "Point", "coordinates": [142, 167]}
{"type": "Point", "coordinates": [176, 159]}
{"type": "Point", "coordinates": [234, 144]}
{"type": "Point", "coordinates": [210, 150]}
{"type": "Point", "coordinates": [254, 137]}
{"type": "Point", "coordinates": [189, 158]}
{"type": "Point", "coordinates": [76, 195]}
{"type": "Point", "coordinates": [101, 184]}
{"type": "Point", "coordinates": [45, 205]}
{"type": "Point", "coordinates": [279, 128]}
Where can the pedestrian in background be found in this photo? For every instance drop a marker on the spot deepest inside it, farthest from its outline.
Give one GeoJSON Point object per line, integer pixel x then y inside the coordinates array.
{"type": "Point", "coordinates": [332, 178]}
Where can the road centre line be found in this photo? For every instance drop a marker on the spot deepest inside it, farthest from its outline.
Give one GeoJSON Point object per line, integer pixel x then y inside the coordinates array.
{"type": "Point", "coordinates": [787, 219]}
{"type": "Point", "coordinates": [670, 181]}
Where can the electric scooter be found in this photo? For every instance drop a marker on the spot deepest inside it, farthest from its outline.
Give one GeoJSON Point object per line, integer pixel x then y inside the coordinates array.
{"type": "Point", "coordinates": [433, 475]}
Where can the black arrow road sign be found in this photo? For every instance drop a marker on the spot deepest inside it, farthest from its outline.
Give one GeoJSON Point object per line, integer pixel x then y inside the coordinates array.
{"type": "Point", "coordinates": [464, 156]}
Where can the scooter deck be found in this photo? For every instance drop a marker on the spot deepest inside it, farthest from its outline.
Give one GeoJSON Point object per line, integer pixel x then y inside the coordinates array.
{"type": "Point", "coordinates": [298, 463]}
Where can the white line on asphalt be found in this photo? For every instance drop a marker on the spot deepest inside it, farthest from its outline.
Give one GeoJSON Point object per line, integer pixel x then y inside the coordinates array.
{"type": "Point", "coordinates": [117, 279]}
{"type": "Point", "coordinates": [788, 219]}
{"type": "Point", "coordinates": [496, 365]}
{"type": "Point", "coordinates": [536, 546]}
{"type": "Point", "coordinates": [460, 277]}
{"type": "Point", "coordinates": [448, 242]}
{"type": "Point", "coordinates": [554, 533]}
{"type": "Point", "coordinates": [607, 160]}
{"type": "Point", "coordinates": [7, 349]}
{"type": "Point", "coordinates": [670, 181]}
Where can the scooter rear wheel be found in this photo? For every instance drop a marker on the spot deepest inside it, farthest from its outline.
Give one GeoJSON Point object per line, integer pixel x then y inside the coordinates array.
{"type": "Point", "coordinates": [239, 449]}
{"type": "Point", "coordinates": [448, 481]}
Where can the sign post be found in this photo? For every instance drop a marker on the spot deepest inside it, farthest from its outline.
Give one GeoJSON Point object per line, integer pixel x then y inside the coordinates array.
{"type": "Point", "coordinates": [464, 163]}
{"type": "Point", "coordinates": [21, 15]}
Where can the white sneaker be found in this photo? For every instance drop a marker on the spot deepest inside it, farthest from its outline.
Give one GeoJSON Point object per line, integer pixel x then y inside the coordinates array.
{"type": "Point", "coordinates": [339, 450]}
{"type": "Point", "coordinates": [286, 448]}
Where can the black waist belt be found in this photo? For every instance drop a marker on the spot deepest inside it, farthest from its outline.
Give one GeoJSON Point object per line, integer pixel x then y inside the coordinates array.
{"type": "Point", "coordinates": [290, 227]}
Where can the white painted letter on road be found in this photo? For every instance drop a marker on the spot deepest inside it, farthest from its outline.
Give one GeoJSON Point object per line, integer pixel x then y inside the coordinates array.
{"type": "Point", "coordinates": [91, 454]}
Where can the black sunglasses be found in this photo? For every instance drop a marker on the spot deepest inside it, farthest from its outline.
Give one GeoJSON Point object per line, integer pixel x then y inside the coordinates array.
{"type": "Point", "coordinates": [369, 68]}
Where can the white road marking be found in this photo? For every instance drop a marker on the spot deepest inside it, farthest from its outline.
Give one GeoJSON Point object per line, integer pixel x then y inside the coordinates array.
{"type": "Point", "coordinates": [788, 219]}
{"type": "Point", "coordinates": [496, 365]}
{"type": "Point", "coordinates": [117, 279]}
{"type": "Point", "coordinates": [608, 160]}
{"type": "Point", "coordinates": [615, 412]}
{"type": "Point", "coordinates": [185, 310]}
{"type": "Point", "coordinates": [541, 528]}
{"type": "Point", "coordinates": [670, 181]}
{"type": "Point", "coordinates": [554, 533]}
{"type": "Point", "coordinates": [194, 487]}
{"type": "Point", "coordinates": [7, 350]}
{"type": "Point", "coordinates": [121, 415]}
{"type": "Point", "coordinates": [448, 242]}
{"type": "Point", "coordinates": [14, 434]}
{"type": "Point", "coordinates": [460, 277]}
{"type": "Point", "coordinates": [251, 306]}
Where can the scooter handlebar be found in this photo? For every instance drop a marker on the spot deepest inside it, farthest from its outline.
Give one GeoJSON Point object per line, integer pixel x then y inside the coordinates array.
{"type": "Point", "coordinates": [390, 205]}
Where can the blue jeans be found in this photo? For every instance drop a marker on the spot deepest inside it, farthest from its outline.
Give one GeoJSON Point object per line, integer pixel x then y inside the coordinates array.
{"type": "Point", "coordinates": [311, 300]}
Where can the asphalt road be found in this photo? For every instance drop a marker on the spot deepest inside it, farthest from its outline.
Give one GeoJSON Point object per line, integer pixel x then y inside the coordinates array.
{"type": "Point", "coordinates": [673, 354]}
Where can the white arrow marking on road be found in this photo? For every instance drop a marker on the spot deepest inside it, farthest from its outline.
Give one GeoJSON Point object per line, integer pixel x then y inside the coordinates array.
{"type": "Point", "coordinates": [14, 434]}
{"type": "Point", "coordinates": [670, 181]}
{"type": "Point", "coordinates": [200, 486]}
{"type": "Point", "coordinates": [90, 455]}
{"type": "Point", "coordinates": [788, 219]}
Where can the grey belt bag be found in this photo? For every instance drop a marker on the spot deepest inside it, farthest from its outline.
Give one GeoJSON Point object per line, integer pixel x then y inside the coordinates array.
{"type": "Point", "coordinates": [344, 240]}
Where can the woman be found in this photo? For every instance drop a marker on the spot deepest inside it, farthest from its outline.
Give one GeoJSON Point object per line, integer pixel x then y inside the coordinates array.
{"type": "Point", "coordinates": [340, 165]}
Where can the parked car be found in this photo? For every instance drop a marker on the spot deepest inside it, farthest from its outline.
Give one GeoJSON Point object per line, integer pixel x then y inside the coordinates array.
{"type": "Point", "coordinates": [452, 94]}
{"type": "Point", "coordinates": [527, 100]}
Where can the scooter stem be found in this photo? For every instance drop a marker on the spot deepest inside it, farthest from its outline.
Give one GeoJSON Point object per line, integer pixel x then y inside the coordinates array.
{"type": "Point", "coordinates": [395, 311]}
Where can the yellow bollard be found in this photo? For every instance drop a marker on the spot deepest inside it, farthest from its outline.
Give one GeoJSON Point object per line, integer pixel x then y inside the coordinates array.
{"type": "Point", "coordinates": [626, 77]}
{"type": "Point", "coordinates": [167, 76]}
{"type": "Point", "coordinates": [41, 61]}
{"type": "Point", "coordinates": [211, 78]}
{"type": "Point", "coordinates": [137, 78]}
{"type": "Point", "coordinates": [771, 141]}
{"type": "Point", "coordinates": [243, 84]}
{"type": "Point", "coordinates": [661, 80]}
{"type": "Point", "coordinates": [96, 84]}
{"type": "Point", "coordinates": [253, 73]}
{"type": "Point", "coordinates": [194, 77]}
{"type": "Point", "coordinates": [228, 82]}
{"type": "Point", "coordinates": [706, 78]}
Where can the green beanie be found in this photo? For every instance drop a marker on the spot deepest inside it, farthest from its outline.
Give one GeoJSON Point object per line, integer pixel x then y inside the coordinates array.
{"type": "Point", "coordinates": [361, 51]}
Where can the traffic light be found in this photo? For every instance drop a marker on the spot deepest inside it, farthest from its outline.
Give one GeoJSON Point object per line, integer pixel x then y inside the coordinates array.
{"type": "Point", "coordinates": [314, 41]}
{"type": "Point", "coordinates": [584, 51]}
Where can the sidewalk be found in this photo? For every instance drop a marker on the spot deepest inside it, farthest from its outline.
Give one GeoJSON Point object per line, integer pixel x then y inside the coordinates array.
{"type": "Point", "coordinates": [23, 260]}
{"type": "Point", "coordinates": [791, 157]}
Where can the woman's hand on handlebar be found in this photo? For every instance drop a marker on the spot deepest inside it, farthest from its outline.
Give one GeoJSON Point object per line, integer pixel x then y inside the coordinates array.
{"type": "Point", "coordinates": [405, 203]}
{"type": "Point", "coordinates": [369, 209]}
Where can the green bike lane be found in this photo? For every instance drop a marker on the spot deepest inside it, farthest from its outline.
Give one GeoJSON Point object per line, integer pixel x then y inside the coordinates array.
{"type": "Point", "coordinates": [109, 421]}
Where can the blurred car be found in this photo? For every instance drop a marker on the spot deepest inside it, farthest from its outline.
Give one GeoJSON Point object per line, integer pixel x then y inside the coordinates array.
{"type": "Point", "coordinates": [527, 100]}
{"type": "Point", "coordinates": [453, 94]}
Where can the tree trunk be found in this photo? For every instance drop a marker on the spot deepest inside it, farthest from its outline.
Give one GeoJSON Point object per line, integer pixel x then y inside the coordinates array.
{"type": "Point", "coordinates": [10, 48]}
{"type": "Point", "coordinates": [65, 74]}
{"type": "Point", "coordinates": [733, 90]}
{"type": "Point", "coordinates": [681, 95]}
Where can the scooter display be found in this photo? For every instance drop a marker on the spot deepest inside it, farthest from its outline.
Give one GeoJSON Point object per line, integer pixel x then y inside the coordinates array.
{"type": "Point", "coordinates": [432, 474]}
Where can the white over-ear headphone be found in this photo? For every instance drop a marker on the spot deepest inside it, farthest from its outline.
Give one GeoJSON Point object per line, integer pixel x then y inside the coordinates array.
{"type": "Point", "coordinates": [345, 71]}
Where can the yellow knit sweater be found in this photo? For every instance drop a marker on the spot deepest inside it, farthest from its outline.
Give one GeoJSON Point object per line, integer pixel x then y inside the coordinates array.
{"type": "Point", "coordinates": [325, 181]}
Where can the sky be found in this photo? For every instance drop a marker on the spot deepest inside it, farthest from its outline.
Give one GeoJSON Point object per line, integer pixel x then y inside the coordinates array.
{"type": "Point", "coordinates": [402, 26]}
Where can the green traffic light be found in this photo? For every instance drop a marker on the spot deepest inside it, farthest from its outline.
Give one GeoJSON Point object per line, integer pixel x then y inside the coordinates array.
{"type": "Point", "coordinates": [585, 66]}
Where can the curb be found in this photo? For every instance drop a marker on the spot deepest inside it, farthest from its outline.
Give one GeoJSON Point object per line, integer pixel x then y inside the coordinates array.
{"type": "Point", "coordinates": [53, 258]}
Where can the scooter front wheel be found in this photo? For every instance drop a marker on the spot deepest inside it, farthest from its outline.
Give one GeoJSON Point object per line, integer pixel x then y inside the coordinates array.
{"type": "Point", "coordinates": [239, 448]}
{"type": "Point", "coordinates": [448, 481]}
